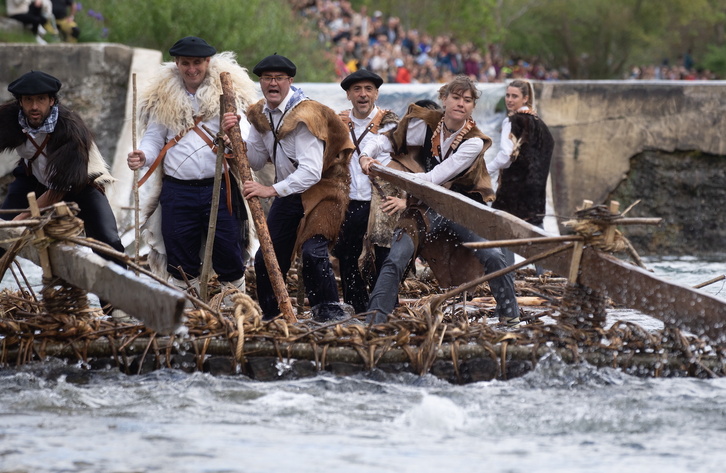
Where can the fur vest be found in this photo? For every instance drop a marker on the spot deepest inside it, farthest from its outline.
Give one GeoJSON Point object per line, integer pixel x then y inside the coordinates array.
{"type": "Point", "coordinates": [325, 203]}
{"type": "Point", "coordinates": [474, 182]}
{"type": "Point", "coordinates": [522, 186]}
{"type": "Point", "coordinates": [380, 224]}
{"type": "Point", "coordinates": [74, 160]}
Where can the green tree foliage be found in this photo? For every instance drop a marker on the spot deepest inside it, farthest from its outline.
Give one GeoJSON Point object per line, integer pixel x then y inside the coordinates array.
{"type": "Point", "coordinates": [599, 39]}
{"type": "Point", "coordinates": [593, 39]}
{"type": "Point", "coordinates": [715, 60]}
{"type": "Point", "coordinates": [251, 28]}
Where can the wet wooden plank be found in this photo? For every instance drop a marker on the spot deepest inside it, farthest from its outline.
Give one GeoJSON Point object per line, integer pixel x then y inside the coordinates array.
{"type": "Point", "coordinates": [687, 308]}
{"type": "Point", "coordinates": [158, 307]}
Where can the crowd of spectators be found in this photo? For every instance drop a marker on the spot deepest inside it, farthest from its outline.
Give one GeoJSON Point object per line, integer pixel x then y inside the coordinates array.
{"type": "Point", "coordinates": [357, 39]}
{"type": "Point", "coordinates": [382, 45]}
{"type": "Point", "coordinates": [666, 71]}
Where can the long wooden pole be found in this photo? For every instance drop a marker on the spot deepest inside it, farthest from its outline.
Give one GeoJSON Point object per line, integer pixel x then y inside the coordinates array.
{"type": "Point", "coordinates": [521, 241]}
{"type": "Point", "coordinates": [213, 212]}
{"type": "Point", "coordinates": [42, 252]}
{"type": "Point", "coordinates": [137, 223]}
{"type": "Point", "coordinates": [258, 215]}
{"type": "Point", "coordinates": [437, 300]}
{"type": "Point", "coordinates": [696, 311]}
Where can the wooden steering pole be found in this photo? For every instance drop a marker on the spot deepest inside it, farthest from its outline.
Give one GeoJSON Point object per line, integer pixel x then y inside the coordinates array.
{"type": "Point", "coordinates": [239, 149]}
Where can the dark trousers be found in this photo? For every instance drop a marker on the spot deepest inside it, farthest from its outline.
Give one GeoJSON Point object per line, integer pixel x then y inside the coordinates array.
{"type": "Point", "coordinates": [384, 295]}
{"type": "Point", "coordinates": [95, 211]}
{"type": "Point", "coordinates": [185, 211]}
{"type": "Point", "coordinates": [381, 253]}
{"type": "Point", "coordinates": [34, 18]}
{"type": "Point", "coordinates": [509, 257]}
{"type": "Point", "coordinates": [317, 272]}
{"type": "Point", "coordinates": [348, 249]}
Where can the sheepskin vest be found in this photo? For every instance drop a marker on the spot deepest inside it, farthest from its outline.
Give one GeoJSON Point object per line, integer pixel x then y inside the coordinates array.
{"type": "Point", "coordinates": [326, 201]}
{"type": "Point", "coordinates": [474, 182]}
{"type": "Point", "coordinates": [164, 100]}
{"type": "Point", "coordinates": [522, 186]}
{"type": "Point", "coordinates": [74, 160]}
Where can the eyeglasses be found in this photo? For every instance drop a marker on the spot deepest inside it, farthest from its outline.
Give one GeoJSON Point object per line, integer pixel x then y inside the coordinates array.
{"type": "Point", "coordinates": [269, 79]}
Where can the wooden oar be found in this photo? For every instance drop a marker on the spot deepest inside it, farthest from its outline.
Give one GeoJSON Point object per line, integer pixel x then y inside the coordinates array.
{"type": "Point", "coordinates": [673, 303]}
{"type": "Point", "coordinates": [158, 306]}
{"type": "Point", "coordinates": [258, 215]}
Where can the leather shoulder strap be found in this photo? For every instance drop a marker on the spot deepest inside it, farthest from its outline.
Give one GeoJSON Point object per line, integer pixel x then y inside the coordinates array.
{"type": "Point", "coordinates": [162, 153]}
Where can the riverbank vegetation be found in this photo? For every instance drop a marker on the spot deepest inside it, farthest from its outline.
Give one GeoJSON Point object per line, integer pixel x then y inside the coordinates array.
{"type": "Point", "coordinates": [252, 28]}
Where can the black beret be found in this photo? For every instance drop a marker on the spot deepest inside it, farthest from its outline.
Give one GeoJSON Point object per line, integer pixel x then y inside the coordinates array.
{"type": "Point", "coordinates": [34, 83]}
{"type": "Point", "coordinates": [361, 75]}
{"type": "Point", "coordinates": [275, 63]}
{"type": "Point", "coordinates": [191, 46]}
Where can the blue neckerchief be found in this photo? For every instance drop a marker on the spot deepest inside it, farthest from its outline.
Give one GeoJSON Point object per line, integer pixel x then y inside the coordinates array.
{"type": "Point", "coordinates": [48, 124]}
{"type": "Point", "coordinates": [297, 96]}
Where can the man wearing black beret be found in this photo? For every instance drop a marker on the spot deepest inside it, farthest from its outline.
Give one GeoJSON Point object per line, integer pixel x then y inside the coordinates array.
{"type": "Point", "coordinates": [179, 111]}
{"type": "Point", "coordinates": [310, 148]}
{"type": "Point", "coordinates": [59, 159]}
{"type": "Point", "coordinates": [363, 121]}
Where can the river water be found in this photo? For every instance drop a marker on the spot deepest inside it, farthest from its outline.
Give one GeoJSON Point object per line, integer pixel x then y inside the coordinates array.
{"type": "Point", "coordinates": [564, 418]}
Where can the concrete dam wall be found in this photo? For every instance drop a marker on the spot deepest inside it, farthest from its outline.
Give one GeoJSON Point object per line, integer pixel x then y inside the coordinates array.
{"type": "Point", "coordinates": [663, 143]}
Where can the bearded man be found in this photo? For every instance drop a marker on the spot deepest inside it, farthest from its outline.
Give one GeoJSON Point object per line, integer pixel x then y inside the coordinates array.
{"type": "Point", "coordinates": [59, 159]}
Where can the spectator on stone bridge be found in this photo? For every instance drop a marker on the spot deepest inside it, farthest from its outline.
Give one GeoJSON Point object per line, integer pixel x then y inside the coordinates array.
{"type": "Point", "coordinates": [29, 13]}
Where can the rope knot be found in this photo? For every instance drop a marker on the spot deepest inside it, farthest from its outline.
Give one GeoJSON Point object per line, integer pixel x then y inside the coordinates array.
{"type": "Point", "coordinates": [62, 224]}
{"type": "Point", "coordinates": [593, 223]}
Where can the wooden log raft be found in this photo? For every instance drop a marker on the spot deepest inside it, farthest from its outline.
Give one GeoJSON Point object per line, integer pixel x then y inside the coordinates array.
{"type": "Point", "coordinates": [500, 361]}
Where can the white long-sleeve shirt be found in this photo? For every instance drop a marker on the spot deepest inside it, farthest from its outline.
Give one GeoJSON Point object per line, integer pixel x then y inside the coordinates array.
{"type": "Point", "coordinates": [299, 159]}
{"type": "Point", "coordinates": [27, 150]}
{"type": "Point", "coordinates": [447, 169]}
{"type": "Point", "coordinates": [360, 184]}
{"type": "Point", "coordinates": [191, 158]}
